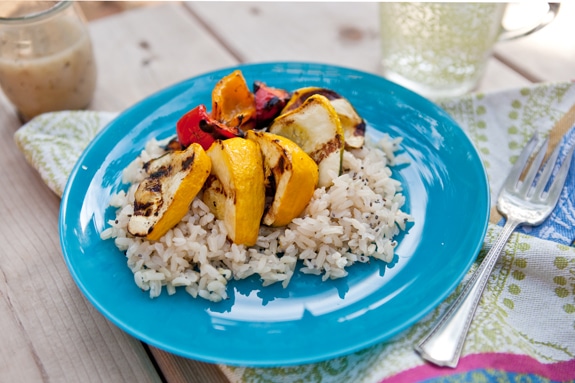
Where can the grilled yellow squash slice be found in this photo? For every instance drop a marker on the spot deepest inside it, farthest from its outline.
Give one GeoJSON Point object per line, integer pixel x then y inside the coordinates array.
{"type": "Point", "coordinates": [237, 194]}
{"type": "Point", "coordinates": [163, 198]}
{"type": "Point", "coordinates": [351, 122]}
{"type": "Point", "coordinates": [315, 127]}
{"type": "Point", "coordinates": [294, 173]}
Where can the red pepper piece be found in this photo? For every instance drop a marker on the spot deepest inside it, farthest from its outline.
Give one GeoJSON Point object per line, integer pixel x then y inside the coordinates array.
{"type": "Point", "coordinates": [198, 126]}
{"type": "Point", "coordinates": [269, 102]}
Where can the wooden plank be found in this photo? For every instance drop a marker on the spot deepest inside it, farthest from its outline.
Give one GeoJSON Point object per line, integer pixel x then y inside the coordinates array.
{"type": "Point", "coordinates": [97, 9]}
{"type": "Point", "coordinates": [336, 33]}
{"type": "Point", "coordinates": [181, 370]}
{"type": "Point", "coordinates": [18, 351]}
{"type": "Point", "coordinates": [344, 34]}
{"type": "Point", "coordinates": [546, 55]}
{"type": "Point", "coordinates": [50, 332]}
{"type": "Point", "coordinates": [144, 50]}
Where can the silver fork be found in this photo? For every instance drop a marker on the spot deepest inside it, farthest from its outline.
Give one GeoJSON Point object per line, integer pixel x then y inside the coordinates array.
{"type": "Point", "coordinates": [521, 202]}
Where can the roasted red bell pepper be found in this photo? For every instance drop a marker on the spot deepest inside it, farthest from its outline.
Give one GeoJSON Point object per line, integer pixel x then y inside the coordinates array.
{"type": "Point", "coordinates": [269, 103]}
{"type": "Point", "coordinates": [198, 126]}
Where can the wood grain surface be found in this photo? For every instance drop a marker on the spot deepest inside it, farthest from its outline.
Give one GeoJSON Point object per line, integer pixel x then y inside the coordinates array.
{"type": "Point", "coordinates": [50, 332]}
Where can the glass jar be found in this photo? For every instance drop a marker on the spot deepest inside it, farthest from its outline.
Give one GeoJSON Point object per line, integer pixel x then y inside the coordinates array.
{"type": "Point", "coordinates": [46, 57]}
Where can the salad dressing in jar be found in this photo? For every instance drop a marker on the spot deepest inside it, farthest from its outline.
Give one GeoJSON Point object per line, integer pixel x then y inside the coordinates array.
{"type": "Point", "coordinates": [46, 57]}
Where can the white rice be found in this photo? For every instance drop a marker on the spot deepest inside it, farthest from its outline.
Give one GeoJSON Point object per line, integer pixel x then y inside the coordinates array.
{"type": "Point", "coordinates": [354, 220]}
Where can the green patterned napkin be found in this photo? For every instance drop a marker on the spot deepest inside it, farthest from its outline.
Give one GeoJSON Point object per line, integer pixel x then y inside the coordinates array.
{"type": "Point", "coordinates": [525, 325]}
{"type": "Point", "coordinates": [524, 329]}
{"type": "Point", "coordinates": [53, 142]}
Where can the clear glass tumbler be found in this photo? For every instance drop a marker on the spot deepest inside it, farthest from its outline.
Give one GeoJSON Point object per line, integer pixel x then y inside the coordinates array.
{"type": "Point", "coordinates": [46, 57]}
{"type": "Point", "coordinates": [441, 49]}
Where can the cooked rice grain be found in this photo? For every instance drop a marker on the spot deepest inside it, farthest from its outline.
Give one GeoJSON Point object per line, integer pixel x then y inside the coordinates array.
{"type": "Point", "coordinates": [354, 220]}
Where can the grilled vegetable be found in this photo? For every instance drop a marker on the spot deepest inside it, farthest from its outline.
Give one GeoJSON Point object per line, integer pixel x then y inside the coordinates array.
{"type": "Point", "coordinates": [303, 149]}
{"type": "Point", "coordinates": [352, 124]}
{"type": "Point", "coordinates": [215, 196]}
{"type": "Point", "coordinates": [199, 127]}
{"type": "Point", "coordinates": [164, 197]}
{"type": "Point", "coordinates": [316, 128]}
{"type": "Point", "coordinates": [269, 103]}
{"type": "Point", "coordinates": [233, 102]}
{"type": "Point", "coordinates": [238, 186]}
{"type": "Point", "coordinates": [294, 176]}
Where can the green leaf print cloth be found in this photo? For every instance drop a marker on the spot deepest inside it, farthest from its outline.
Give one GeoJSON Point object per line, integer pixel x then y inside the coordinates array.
{"type": "Point", "coordinates": [524, 329]}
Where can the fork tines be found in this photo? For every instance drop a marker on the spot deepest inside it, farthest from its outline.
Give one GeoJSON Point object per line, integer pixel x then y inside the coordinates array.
{"type": "Point", "coordinates": [525, 179]}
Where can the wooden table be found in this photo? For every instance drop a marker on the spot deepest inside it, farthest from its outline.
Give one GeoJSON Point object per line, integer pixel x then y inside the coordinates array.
{"type": "Point", "coordinates": [49, 330]}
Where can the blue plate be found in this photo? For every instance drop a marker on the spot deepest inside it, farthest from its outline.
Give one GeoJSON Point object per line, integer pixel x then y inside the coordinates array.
{"type": "Point", "coordinates": [447, 194]}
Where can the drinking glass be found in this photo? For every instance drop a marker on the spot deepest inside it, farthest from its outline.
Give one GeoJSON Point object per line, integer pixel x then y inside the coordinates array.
{"type": "Point", "coordinates": [441, 49]}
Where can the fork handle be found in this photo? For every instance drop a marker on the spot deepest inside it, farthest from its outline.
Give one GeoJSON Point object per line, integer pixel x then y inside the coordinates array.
{"type": "Point", "coordinates": [443, 344]}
